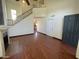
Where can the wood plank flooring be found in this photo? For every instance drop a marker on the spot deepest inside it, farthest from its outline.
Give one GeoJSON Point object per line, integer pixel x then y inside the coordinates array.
{"type": "Point", "coordinates": [39, 46]}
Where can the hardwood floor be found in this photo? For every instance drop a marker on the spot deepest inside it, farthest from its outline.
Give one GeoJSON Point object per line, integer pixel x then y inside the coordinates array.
{"type": "Point", "coordinates": [39, 46]}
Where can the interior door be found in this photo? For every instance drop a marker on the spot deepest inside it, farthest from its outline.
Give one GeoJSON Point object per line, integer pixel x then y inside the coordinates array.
{"type": "Point", "coordinates": [69, 31]}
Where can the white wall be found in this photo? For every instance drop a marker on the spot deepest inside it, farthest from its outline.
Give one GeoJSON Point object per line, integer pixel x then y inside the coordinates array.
{"type": "Point", "coordinates": [56, 10]}
{"type": "Point", "coordinates": [39, 12]}
{"type": "Point", "coordinates": [59, 9]}
{"type": "Point", "coordinates": [41, 25]}
{"type": "Point", "coordinates": [23, 27]}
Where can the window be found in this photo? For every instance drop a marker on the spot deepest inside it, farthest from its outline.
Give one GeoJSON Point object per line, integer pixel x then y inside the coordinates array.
{"type": "Point", "coordinates": [13, 14]}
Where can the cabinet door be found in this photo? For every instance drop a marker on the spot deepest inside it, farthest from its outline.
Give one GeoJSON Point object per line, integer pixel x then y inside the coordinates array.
{"type": "Point", "coordinates": [69, 30]}
{"type": "Point", "coordinates": [5, 40]}
{"type": "Point", "coordinates": [1, 14]}
{"type": "Point", "coordinates": [76, 30]}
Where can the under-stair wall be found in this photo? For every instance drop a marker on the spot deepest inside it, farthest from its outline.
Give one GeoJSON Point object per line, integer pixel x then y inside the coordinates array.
{"type": "Point", "coordinates": [25, 26]}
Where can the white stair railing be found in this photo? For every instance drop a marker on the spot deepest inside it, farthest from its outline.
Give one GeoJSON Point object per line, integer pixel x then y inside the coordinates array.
{"type": "Point", "coordinates": [19, 18]}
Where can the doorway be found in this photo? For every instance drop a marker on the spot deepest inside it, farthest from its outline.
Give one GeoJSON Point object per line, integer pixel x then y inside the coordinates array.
{"type": "Point", "coordinates": [35, 25]}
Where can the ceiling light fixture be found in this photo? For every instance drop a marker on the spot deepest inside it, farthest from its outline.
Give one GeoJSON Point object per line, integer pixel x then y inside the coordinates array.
{"type": "Point", "coordinates": [23, 1]}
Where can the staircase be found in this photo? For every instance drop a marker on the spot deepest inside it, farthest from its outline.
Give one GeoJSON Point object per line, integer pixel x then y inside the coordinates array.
{"type": "Point", "coordinates": [20, 17]}
{"type": "Point", "coordinates": [34, 4]}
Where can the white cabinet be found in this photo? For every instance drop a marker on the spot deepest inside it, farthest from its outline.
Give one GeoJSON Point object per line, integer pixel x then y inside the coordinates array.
{"type": "Point", "coordinates": [3, 24]}
{"type": "Point", "coordinates": [77, 53]}
{"type": "Point", "coordinates": [2, 49]}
